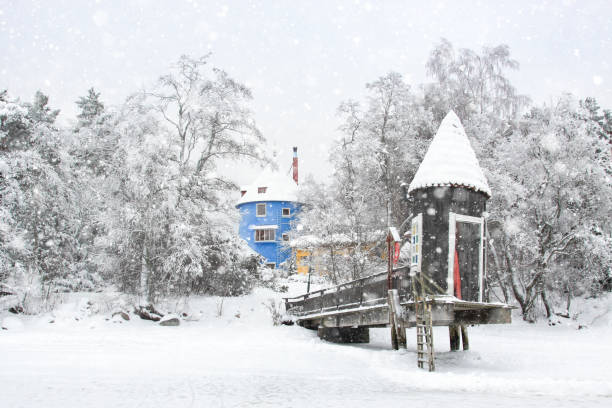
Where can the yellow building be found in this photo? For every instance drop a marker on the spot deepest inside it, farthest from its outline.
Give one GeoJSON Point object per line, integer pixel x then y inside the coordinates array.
{"type": "Point", "coordinates": [314, 253]}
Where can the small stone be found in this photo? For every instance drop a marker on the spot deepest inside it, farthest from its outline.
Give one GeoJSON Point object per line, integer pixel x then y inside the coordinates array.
{"type": "Point", "coordinates": [169, 320]}
{"type": "Point", "coordinates": [16, 310]}
{"type": "Point", "coordinates": [147, 313]}
{"type": "Point", "coordinates": [122, 314]}
{"type": "Point", "coordinates": [11, 323]}
{"type": "Point", "coordinates": [193, 318]}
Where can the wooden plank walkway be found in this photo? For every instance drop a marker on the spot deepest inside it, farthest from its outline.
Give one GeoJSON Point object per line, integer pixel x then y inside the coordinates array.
{"type": "Point", "coordinates": [364, 303]}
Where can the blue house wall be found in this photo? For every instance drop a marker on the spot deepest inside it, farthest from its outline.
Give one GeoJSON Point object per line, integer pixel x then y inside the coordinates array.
{"type": "Point", "coordinates": [273, 251]}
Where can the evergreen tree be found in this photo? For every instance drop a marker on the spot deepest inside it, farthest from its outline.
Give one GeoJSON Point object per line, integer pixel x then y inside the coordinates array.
{"type": "Point", "coordinates": [39, 110]}
{"type": "Point", "coordinates": [92, 109]}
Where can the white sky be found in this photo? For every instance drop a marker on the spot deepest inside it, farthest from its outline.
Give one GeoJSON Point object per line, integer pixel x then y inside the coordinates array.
{"type": "Point", "coordinates": [300, 58]}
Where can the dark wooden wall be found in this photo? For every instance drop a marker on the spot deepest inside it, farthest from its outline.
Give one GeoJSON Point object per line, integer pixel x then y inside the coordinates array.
{"type": "Point", "coordinates": [435, 203]}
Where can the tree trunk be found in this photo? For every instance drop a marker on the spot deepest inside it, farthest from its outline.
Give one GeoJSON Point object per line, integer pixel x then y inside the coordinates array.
{"type": "Point", "coordinates": [333, 262]}
{"type": "Point", "coordinates": [498, 268]}
{"type": "Point", "coordinates": [547, 305]}
{"type": "Point", "coordinates": [144, 276]}
{"type": "Point", "coordinates": [515, 287]}
{"type": "Point", "coordinates": [569, 299]}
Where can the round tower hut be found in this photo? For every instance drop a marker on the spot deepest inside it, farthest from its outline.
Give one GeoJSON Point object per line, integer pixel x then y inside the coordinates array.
{"type": "Point", "coordinates": [449, 194]}
{"type": "Point", "coordinates": [267, 208]}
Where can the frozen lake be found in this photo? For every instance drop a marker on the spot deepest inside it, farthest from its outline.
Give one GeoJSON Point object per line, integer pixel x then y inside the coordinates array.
{"type": "Point", "coordinates": [230, 362]}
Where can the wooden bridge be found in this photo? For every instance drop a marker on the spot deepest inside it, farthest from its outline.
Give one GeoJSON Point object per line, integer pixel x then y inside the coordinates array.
{"type": "Point", "coordinates": [344, 313]}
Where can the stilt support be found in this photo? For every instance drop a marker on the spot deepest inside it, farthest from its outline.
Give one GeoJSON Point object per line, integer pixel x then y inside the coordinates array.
{"type": "Point", "coordinates": [455, 340]}
{"type": "Point", "coordinates": [464, 338]}
{"type": "Point", "coordinates": [398, 329]}
{"type": "Point", "coordinates": [458, 335]}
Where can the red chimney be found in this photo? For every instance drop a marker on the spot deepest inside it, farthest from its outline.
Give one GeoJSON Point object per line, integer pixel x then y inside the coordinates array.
{"type": "Point", "coordinates": [295, 165]}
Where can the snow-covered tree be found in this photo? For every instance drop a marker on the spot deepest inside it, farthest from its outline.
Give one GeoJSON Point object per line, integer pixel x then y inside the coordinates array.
{"type": "Point", "coordinates": [91, 108]}
{"type": "Point", "coordinates": [321, 229]}
{"type": "Point", "coordinates": [553, 200]}
{"type": "Point", "coordinates": [377, 155]}
{"type": "Point", "coordinates": [38, 201]}
{"type": "Point", "coordinates": [471, 83]}
{"type": "Point", "coordinates": [14, 124]}
{"type": "Point", "coordinates": [171, 226]}
{"type": "Point", "coordinates": [39, 111]}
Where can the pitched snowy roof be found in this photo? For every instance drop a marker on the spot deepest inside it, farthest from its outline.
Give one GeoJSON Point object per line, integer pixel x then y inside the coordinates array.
{"type": "Point", "coordinates": [450, 160]}
{"type": "Point", "coordinates": [276, 187]}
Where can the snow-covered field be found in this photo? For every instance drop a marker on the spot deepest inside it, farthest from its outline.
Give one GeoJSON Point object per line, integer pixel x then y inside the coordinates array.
{"type": "Point", "coordinates": [227, 361]}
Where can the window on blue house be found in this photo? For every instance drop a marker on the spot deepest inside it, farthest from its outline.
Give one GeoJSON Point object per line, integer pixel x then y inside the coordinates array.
{"type": "Point", "coordinates": [262, 235]}
{"type": "Point", "coordinates": [261, 210]}
{"type": "Point", "coordinates": [286, 212]}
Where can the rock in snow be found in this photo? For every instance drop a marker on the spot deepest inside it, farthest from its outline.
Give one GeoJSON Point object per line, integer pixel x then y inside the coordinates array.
{"type": "Point", "coordinates": [11, 323]}
{"type": "Point", "coordinates": [121, 315]}
{"type": "Point", "coordinates": [170, 320]}
{"type": "Point", "coordinates": [148, 313]}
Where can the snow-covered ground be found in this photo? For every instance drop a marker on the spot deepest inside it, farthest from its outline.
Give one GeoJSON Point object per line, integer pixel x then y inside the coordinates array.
{"type": "Point", "coordinates": [227, 361]}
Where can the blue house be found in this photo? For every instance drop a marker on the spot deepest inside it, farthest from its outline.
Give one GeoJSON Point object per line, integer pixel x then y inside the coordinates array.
{"type": "Point", "coordinates": [267, 208]}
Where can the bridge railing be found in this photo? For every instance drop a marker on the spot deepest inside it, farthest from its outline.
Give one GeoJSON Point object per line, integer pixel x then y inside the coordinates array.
{"type": "Point", "coordinates": [364, 292]}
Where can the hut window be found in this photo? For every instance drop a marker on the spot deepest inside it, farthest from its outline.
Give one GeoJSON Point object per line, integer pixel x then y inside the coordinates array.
{"type": "Point", "coordinates": [271, 265]}
{"type": "Point", "coordinates": [416, 241]}
{"type": "Point", "coordinates": [263, 235]}
{"type": "Point", "coordinates": [286, 212]}
{"type": "Point", "coordinates": [261, 190]}
{"type": "Point", "coordinates": [285, 237]}
{"type": "Point", "coordinates": [261, 210]}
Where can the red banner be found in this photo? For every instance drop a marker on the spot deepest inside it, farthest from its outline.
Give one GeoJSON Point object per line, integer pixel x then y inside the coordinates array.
{"type": "Point", "coordinates": [396, 253]}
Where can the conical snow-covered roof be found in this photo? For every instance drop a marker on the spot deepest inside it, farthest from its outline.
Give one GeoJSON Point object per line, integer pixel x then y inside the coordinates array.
{"type": "Point", "coordinates": [450, 160]}
{"type": "Point", "coordinates": [270, 186]}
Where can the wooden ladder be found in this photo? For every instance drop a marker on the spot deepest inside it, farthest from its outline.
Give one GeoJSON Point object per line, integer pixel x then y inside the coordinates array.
{"type": "Point", "coordinates": [424, 328]}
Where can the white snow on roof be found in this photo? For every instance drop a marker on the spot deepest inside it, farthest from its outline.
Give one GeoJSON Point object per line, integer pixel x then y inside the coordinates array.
{"type": "Point", "coordinates": [278, 187]}
{"type": "Point", "coordinates": [450, 160]}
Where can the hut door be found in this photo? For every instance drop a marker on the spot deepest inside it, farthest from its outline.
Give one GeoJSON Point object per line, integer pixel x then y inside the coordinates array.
{"type": "Point", "coordinates": [465, 258]}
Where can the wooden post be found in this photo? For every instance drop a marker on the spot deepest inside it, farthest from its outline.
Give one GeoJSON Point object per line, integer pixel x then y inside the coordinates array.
{"type": "Point", "coordinates": [394, 342]}
{"type": "Point", "coordinates": [464, 338]}
{"type": "Point", "coordinates": [453, 334]}
{"type": "Point", "coordinates": [398, 330]}
{"type": "Point", "coordinates": [389, 261]}
{"type": "Point", "coordinates": [401, 336]}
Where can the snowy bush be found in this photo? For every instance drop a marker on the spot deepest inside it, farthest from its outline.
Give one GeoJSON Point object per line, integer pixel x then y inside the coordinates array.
{"type": "Point", "coordinates": [276, 310]}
